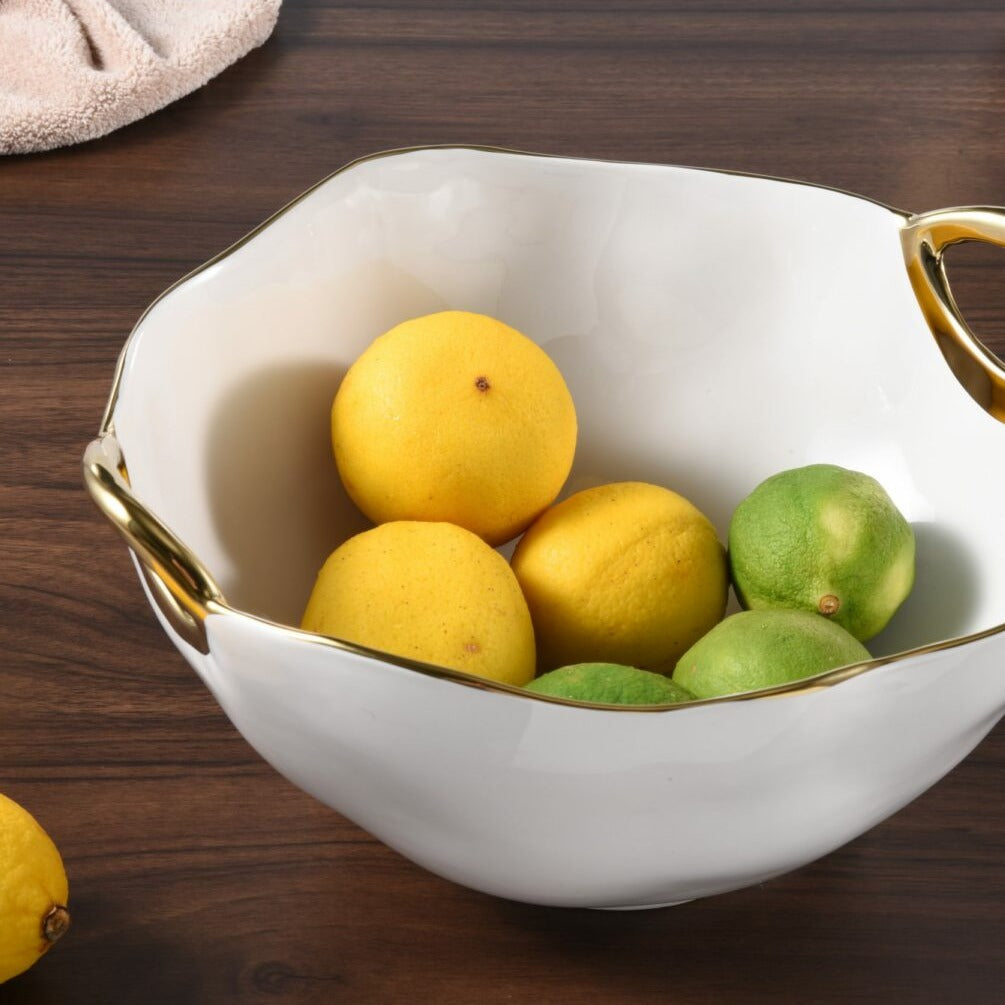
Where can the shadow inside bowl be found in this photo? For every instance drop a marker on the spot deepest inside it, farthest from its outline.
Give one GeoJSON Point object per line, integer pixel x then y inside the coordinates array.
{"type": "Point", "coordinates": [944, 597]}
{"type": "Point", "coordinates": [275, 497]}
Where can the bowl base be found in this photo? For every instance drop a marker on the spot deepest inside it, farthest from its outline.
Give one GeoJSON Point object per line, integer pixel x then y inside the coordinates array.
{"type": "Point", "coordinates": [644, 907]}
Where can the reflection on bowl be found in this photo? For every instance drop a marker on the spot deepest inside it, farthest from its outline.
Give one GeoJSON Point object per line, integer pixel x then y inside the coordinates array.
{"type": "Point", "coordinates": [713, 329]}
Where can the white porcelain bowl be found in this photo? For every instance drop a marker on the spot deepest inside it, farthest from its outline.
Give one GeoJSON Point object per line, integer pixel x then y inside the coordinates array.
{"type": "Point", "coordinates": [713, 329]}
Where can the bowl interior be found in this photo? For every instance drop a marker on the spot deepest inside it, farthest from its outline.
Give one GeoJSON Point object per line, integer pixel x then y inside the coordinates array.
{"type": "Point", "coordinates": [713, 329]}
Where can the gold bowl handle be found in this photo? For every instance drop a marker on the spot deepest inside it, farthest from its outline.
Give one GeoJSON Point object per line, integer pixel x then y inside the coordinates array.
{"type": "Point", "coordinates": [182, 588]}
{"type": "Point", "coordinates": [925, 238]}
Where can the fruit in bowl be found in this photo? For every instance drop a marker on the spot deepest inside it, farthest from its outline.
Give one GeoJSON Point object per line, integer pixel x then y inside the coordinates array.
{"type": "Point", "coordinates": [613, 582]}
{"type": "Point", "coordinates": [432, 591]}
{"type": "Point", "coordinates": [627, 572]}
{"type": "Point", "coordinates": [609, 684]}
{"type": "Point", "coordinates": [455, 424]}
{"type": "Point", "coordinates": [455, 417]}
{"type": "Point", "coordinates": [824, 539]}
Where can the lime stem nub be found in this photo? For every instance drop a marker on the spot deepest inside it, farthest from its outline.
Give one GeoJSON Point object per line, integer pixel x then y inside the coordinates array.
{"type": "Point", "coordinates": [829, 604]}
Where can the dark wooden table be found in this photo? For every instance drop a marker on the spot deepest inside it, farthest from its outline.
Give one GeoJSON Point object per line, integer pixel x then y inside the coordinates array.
{"type": "Point", "coordinates": [198, 874]}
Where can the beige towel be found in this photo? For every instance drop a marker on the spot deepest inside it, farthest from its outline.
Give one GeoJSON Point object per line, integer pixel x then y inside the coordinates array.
{"type": "Point", "coordinates": [73, 70]}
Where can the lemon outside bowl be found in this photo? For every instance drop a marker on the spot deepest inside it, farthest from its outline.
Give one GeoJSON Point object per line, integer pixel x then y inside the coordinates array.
{"type": "Point", "coordinates": [713, 328]}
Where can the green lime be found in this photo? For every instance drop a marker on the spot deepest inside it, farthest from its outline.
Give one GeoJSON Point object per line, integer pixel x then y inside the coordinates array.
{"type": "Point", "coordinates": [609, 684]}
{"type": "Point", "coordinates": [755, 649]}
{"type": "Point", "coordinates": [825, 539]}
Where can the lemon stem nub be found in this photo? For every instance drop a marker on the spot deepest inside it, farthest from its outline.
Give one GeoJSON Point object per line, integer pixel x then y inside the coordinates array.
{"type": "Point", "coordinates": [482, 383]}
{"type": "Point", "coordinates": [829, 604]}
{"type": "Point", "coordinates": [55, 923]}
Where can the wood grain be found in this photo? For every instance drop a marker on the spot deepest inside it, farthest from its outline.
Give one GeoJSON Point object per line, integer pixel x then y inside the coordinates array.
{"type": "Point", "coordinates": [198, 874]}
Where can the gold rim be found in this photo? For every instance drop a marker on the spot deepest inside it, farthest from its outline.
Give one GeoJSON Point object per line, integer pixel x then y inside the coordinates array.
{"type": "Point", "coordinates": [185, 591]}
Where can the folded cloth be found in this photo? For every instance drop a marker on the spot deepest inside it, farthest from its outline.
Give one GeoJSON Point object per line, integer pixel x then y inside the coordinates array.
{"type": "Point", "coordinates": [73, 70]}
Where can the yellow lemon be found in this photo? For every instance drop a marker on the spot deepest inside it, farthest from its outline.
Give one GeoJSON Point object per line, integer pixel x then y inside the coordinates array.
{"type": "Point", "coordinates": [428, 591]}
{"type": "Point", "coordinates": [625, 573]}
{"type": "Point", "coordinates": [454, 417]}
{"type": "Point", "coordinates": [33, 890]}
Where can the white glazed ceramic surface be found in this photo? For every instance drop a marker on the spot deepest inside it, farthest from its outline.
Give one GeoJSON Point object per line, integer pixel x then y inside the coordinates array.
{"type": "Point", "coordinates": [713, 329]}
